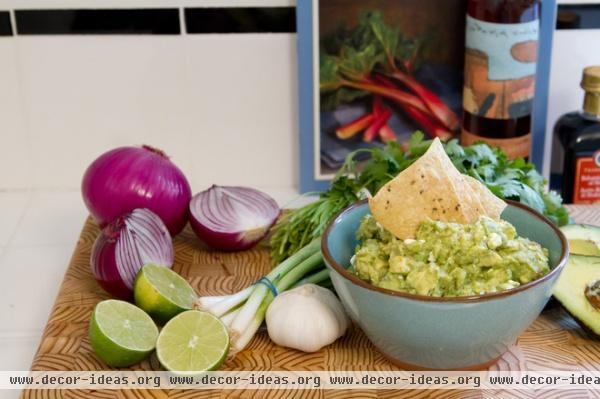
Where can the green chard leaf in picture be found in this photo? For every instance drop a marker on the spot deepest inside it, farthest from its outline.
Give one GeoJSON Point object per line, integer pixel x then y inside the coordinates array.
{"type": "Point", "coordinates": [329, 78]}
{"type": "Point", "coordinates": [332, 99]}
{"type": "Point", "coordinates": [387, 37]}
{"type": "Point", "coordinates": [358, 64]}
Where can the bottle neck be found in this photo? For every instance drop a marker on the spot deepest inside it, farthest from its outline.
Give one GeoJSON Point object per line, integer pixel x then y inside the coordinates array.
{"type": "Point", "coordinates": [591, 104]}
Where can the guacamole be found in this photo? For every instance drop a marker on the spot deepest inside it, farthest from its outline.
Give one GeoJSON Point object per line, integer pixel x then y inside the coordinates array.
{"type": "Point", "coordinates": [448, 259]}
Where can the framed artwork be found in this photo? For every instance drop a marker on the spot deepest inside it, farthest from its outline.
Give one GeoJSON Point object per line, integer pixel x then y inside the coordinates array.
{"type": "Point", "coordinates": [367, 66]}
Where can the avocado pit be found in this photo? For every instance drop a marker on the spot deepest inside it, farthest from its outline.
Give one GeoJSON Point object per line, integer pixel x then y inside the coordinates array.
{"type": "Point", "coordinates": [592, 293]}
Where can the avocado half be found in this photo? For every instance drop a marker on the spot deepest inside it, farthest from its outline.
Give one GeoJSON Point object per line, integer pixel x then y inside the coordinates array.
{"type": "Point", "coordinates": [578, 287]}
{"type": "Point", "coordinates": [579, 273]}
{"type": "Point", "coordinates": [584, 239]}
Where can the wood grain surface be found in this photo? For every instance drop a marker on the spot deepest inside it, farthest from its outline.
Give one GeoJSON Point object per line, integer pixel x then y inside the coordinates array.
{"type": "Point", "coordinates": [553, 341]}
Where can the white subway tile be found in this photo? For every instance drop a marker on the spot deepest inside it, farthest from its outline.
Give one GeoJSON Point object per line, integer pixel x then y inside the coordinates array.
{"type": "Point", "coordinates": [12, 209]}
{"type": "Point", "coordinates": [51, 218]}
{"type": "Point", "coordinates": [15, 161]}
{"type": "Point", "coordinates": [242, 104]}
{"type": "Point", "coordinates": [88, 94]}
{"type": "Point", "coordinates": [35, 274]}
{"type": "Point", "coordinates": [224, 107]}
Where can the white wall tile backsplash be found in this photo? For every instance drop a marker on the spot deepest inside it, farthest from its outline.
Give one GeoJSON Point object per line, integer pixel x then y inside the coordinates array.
{"type": "Point", "coordinates": [36, 266]}
{"type": "Point", "coordinates": [224, 107]}
{"type": "Point", "coordinates": [15, 151]}
{"type": "Point", "coordinates": [243, 109]}
{"type": "Point", "coordinates": [85, 95]}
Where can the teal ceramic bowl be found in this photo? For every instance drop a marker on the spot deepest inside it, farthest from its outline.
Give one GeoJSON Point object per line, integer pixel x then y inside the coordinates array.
{"type": "Point", "coordinates": [420, 332]}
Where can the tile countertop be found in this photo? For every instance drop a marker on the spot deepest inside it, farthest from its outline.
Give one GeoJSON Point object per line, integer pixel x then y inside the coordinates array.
{"type": "Point", "coordinates": [38, 232]}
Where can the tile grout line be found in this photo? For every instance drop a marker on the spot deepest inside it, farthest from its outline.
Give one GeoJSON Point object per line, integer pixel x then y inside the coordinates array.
{"type": "Point", "coordinates": [182, 24]}
{"type": "Point", "coordinates": [24, 120]}
{"type": "Point", "coordinates": [13, 21]}
{"type": "Point", "coordinates": [17, 225]}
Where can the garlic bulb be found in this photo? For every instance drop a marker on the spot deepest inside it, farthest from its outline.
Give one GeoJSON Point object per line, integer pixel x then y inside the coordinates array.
{"type": "Point", "coordinates": [307, 318]}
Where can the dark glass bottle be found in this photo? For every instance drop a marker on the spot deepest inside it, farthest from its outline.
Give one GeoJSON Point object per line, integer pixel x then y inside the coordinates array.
{"type": "Point", "coordinates": [579, 134]}
{"type": "Point", "coordinates": [500, 66]}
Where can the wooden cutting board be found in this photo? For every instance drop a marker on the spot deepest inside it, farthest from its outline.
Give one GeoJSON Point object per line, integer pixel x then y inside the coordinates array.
{"type": "Point", "coordinates": [553, 341]}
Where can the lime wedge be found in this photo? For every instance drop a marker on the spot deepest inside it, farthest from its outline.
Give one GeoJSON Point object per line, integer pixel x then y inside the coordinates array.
{"type": "Point", "coordinates": [121, 334]}
{"type": "Point", "coordinates": [193, 342]}
{"type": "Point", "coordinates": [162, 293]}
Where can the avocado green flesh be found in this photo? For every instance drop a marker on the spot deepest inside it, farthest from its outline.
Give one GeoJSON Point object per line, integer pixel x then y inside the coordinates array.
{"type": "Point", "coordinates": [570, 290]}
{"type": "Point", "coordinates": [584, 239]}
{"type": "Point", "coordinates": [448, 259]}
{"type": "Point", "coordinates": [584, 247]}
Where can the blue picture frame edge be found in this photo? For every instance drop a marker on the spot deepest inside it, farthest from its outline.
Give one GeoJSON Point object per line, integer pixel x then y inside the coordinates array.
{"type": "Point", "coordinates": [304, 15]}
{"type": "Point", "coordinates": [540, 105]}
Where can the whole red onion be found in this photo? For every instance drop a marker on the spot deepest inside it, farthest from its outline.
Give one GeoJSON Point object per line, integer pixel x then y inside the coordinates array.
{"type": "Point", "coordinates": [127, 244]}
{"type": "Point", "coordinates": [128, 178]}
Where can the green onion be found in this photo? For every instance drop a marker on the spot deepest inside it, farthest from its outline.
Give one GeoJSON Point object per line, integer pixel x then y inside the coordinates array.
{"type": "Point", "coordinates": [286, 282]}
{"type": "Point", "coordinates": [245, 310]}
{"type": "Point", "coordinates": [319, 277]}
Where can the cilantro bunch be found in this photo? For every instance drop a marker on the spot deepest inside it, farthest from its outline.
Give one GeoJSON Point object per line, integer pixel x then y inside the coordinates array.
{"type": "Point", "coordinates": [508, 179]}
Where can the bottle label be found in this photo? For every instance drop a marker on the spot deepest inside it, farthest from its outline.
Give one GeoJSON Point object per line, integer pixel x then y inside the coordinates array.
{"type": "Point", "coordinates": [514, 147]}
{"type": "Point", "coordinates": [500, 65]}
{"type": "Point", "coordinates": [587, 180]}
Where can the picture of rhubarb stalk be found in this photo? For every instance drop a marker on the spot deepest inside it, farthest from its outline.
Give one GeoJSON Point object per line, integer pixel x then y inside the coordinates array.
{"type": "Point", "coordinates": [374, 124]}
{"type": "Point", "coordinates": [386, 133]}
{"type": "Point", "coordinates": [356, 126]}
{"type": "Point", "coordinates": [376, 60]}
{"type": "Point", "coordinates": [422, 119]}
{"type": "Point", "coordinates": [378, 123]}
{"type": "Point", "coordinates": [390, 40]}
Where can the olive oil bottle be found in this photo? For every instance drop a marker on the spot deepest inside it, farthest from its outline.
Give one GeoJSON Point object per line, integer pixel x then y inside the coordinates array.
{"type": "Point", "coordinates": [579, 134]}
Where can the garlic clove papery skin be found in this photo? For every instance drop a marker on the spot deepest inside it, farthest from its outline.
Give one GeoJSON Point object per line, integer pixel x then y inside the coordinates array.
{"type": "Point", "coordinates": [306, 318]}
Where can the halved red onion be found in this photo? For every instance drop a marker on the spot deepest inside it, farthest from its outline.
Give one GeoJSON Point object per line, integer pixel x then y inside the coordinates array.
{"type": "Point", "coordinates": [127, 244]}
{"type": "Point", "coordinates": [232, 218]}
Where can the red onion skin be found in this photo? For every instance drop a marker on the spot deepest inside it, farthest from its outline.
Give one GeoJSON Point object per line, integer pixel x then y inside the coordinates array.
{"type": "Point", "coordinates": [230, 241]}
{"type": "Point", "coordinates": [104, 252]}
{"type": "Point", "coordinates": [127, 178]}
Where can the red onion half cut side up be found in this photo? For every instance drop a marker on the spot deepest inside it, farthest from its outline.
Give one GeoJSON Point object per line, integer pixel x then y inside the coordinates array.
{"type": "Point", "coordinates": [232, 218]}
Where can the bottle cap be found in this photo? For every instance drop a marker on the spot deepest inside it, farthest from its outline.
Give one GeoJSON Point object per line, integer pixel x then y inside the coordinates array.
{"type": "Point", "coordinates": [591, 79]}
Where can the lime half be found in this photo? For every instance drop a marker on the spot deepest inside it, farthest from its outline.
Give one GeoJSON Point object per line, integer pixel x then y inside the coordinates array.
{"type": "Point", "coordinates": [162, 293]}
{"type": "Point", "coordinates": [121, 333]}
{"type": "Point", "coordinates": [193, 342]}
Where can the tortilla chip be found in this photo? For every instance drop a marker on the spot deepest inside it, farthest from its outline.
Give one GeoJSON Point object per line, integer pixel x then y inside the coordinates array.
{"type": "Point", "coordinates": [431, 188]}
{"type": "Point", "coordinates": [423, 190]}
{"type": "Point", "coordinates": [492, 205]}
